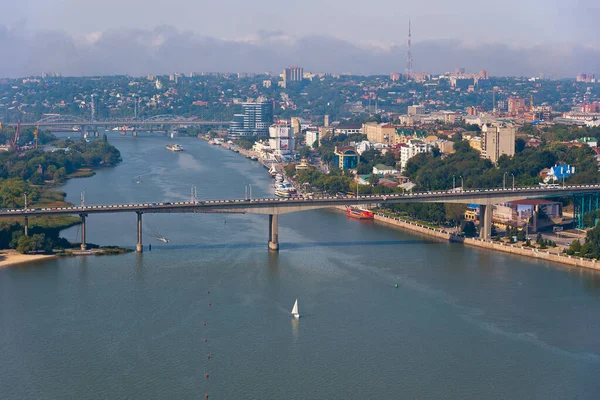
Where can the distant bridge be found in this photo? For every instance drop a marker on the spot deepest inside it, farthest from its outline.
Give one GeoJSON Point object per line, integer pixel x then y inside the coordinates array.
{"type": "Point", "coordinates": [276, 206]}
{"type": "Point", "coordinates": [71, 121]}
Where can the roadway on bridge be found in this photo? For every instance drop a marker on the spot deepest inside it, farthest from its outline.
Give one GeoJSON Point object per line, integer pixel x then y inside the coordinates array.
{"type": "Point", "coordinates": [296, 204]}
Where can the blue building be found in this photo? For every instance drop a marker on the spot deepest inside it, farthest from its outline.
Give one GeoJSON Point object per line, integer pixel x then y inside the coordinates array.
{"type": "Point", "coordinates": [255, 120]}
{"type": "Point", "coordinates": [345, 157]}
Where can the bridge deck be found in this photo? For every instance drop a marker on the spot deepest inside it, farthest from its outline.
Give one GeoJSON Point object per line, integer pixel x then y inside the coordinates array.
{"type": "Point", "coordinates": [287, 205]}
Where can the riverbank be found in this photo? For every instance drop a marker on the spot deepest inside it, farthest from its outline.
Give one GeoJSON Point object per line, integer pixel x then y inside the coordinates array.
{"type": "Point", "coordinates": [515, 248]}
{"type": "Point", "coordinates": [552, 255]}
{"type": "Point", "coordinates": [9, 258]}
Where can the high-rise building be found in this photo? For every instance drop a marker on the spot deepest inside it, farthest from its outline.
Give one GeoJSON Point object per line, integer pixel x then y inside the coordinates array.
{"type": "Point", "coordinates": [296, 125]}
{"type": "Point", "coordinates": [312, 137]}
{"type": "Point", "coordinates": [412, 148]}
{"type": "Point", "coordinates": [379, 133]}
{"type": "Point", "coordinates": [516, 106]}
{"type": "Point", "coordinates": [587, 78]}
{"type": "Point", "coordinates": [497, 140]}
{"type": "Point", "coordinates": [416, 110]}
{"type": "Point", "coordinates": [255, 120]}
{"type": "Point", "coordinates": [293, 74]}
{"type": "Point", "coordinates": [484, 74]}
{"type": "Point", "coordinates": [281, 139]}
{"type": "Point", "coordinates": [326, 120]}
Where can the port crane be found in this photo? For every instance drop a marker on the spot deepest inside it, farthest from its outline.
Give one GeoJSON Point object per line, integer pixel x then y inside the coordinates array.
{"type": "Point", "coordinates": [35, 134]}
{"type": "Point", "coordinates": [14, 144]}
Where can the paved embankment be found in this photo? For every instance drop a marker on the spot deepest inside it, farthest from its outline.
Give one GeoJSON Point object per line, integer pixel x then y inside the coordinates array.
{"type": "Point", "coordinates": [516, 249]}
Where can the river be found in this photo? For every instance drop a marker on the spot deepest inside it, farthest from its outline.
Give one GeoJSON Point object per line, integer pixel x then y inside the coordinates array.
{"type": "Point", "coordinates": [463, 323]}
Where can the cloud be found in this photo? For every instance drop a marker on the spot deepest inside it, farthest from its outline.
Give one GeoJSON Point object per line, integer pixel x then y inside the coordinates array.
{"type": "Point", "coordinates": [166, 49]}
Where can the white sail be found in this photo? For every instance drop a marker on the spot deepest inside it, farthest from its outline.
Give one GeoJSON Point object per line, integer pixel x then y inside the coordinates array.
{"type": "Point", "coordinates": [295, 309]}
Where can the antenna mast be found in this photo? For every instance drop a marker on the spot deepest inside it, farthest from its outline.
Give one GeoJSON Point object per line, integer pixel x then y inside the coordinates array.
{"type": "Point", "coordinates": [409, 57]}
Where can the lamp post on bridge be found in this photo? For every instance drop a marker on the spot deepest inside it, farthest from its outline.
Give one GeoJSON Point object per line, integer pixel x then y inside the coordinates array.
{"type": "Point", "coordinates": [462, 183]}
{"type": "Point", "coordinates": [513, 179]}
{"type": "Point", "coordinates": [453, 182]}
{"type": "Point", "coordinates": [194, 194]}
{"type": "Point", "coordinates": [504, 181]}
{"type": "Point", "coordinates": [26, 217]}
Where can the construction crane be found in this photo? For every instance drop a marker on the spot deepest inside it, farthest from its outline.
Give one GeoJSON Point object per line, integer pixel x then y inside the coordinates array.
{"type": "Point", "coordinates": [15, 141]}
{"type": "Point", "coordinates": [35, 134]}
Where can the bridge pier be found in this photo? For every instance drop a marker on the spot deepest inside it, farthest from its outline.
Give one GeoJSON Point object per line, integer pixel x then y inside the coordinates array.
{"type": "Point", "coordinates": [273, 232]}
{"type": "Point", "coordinates": [83, 246]}
{"type": "Point", "coordinates": [486, 212]}
{"type": "Point", "coordinates": [139, 247]}
{"type": "Point", "coordinates": [26, 225]}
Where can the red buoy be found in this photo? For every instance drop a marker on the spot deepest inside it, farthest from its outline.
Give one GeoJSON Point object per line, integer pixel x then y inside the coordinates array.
{"type": "Point", "coordinates": [207, 395]}
{"type": "Point", "coordinates": [206, 376]}
{"type": "Point", "coordinates": [209, 356]}
{"type": "Point", "coordinates": [209, 292]}
{"type": "Point", "coordinates": [204, 323]}
{"type": "Point", "coordinates": [205, 340]}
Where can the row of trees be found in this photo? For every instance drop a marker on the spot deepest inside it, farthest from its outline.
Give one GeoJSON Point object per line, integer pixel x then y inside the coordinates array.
{"type": "Point", "coordinates": [40, 239]}
{"type": "Point", "coordinates": [590, 248]}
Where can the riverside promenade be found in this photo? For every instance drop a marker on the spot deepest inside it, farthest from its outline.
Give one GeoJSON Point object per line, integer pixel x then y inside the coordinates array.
{"type": "Point", "coordinates": [514, 248]}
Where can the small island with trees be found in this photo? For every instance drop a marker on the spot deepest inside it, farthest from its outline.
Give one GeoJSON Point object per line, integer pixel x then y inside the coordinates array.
{"type": "Point", "coordinates": [32, 172]}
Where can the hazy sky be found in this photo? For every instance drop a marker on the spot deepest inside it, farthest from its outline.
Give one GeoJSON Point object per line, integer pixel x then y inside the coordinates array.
{"type": "Point", "coordinates": [522, 22]}
{"type": "Point", "coordinates": [520, 37]}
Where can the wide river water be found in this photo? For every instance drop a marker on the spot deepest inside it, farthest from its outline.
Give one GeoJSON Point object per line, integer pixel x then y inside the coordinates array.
{"type": "Point", "coordinates": [463, 323]}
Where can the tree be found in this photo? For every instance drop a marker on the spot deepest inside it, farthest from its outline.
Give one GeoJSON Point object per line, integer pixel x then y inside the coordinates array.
{"type": "Point", "coordinates": [304, 152]}
{"type": "Point", "coordinates": [575, 247]}
{"type": "Point", "coordinates": [468, 228]}
{"type": "Point", "coordinates": [455, 212]}
{"type": "Point", "coordinates": [60, 175]}
{"type": "Point", "coordinates": [374, 179]}
{"type": "Point", "coordinates": [25, 244]}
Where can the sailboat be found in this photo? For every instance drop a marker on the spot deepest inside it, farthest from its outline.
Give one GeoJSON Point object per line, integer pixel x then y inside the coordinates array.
{"type": "Point", "coordinates": [295, 310]}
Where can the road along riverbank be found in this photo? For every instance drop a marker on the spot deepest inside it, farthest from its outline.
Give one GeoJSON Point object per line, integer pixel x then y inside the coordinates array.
{"type": "Point", "coordinates": [490, 245]}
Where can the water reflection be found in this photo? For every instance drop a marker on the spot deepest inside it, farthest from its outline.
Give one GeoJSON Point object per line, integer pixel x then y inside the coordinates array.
{"type": "Point", "coordinates": [295, 326]}
{"type": "Point", "coordinates": [296, 245]}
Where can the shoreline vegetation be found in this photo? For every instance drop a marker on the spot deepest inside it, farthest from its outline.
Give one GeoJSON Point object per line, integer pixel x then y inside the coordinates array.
{"type": "Point", "coordinates": [35, 173]}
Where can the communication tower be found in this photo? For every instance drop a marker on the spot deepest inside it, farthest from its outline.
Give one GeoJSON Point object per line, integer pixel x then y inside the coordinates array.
{"type": "Point", "coordinates": [409, 57]}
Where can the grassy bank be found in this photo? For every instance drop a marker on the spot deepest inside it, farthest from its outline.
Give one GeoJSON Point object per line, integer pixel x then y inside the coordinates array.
{"type": "Point", "coordinates": [82, 173]}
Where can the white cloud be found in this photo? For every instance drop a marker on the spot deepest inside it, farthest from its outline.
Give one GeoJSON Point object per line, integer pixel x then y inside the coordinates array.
{"type": "Point", "coordinates": [165, 49]}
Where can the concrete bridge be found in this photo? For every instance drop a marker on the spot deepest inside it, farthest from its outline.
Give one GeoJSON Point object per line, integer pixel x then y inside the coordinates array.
{"type": "Point", "coordinates": [273, 207]}
{"type": "Point", "coordinates": [158, 120]}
